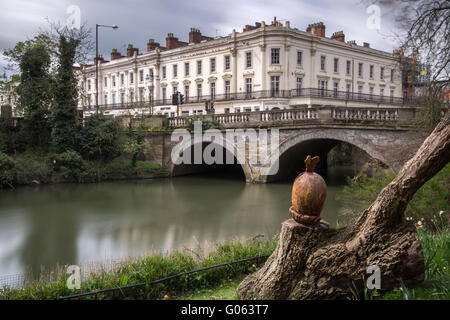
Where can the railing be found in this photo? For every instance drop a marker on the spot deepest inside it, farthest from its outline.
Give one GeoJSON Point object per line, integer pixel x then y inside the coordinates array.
{"type": "Point", "coordinates": [364, 114]}
{"type": "Point", "coordinates": [289, 114]}
{"type": "Point", "coordinates": [298, 115]}
{"type": "Point", "coordinates": [294, 93]}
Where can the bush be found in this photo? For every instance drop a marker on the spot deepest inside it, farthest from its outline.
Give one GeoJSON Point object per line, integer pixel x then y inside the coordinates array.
{"type": "Point", "coordinates": [99, 138]}
{"type": "Point", "coordinates": [70, 164]}
{"type": "Point", "coordinates": [7, 170]}
{"type": "Point", "coordinates": [32, 168]}
{"type": "Point", "coordinates": [429, 200]}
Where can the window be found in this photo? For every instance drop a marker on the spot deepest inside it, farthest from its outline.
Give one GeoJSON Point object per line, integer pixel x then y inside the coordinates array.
{"type": "Point", "coordinates": [227, 89]}
{"type": "Point", "coordinates": [360, 69]}
{"type": "Point", "coordinates": [322, 63]}
{"type": "Point", "coordinates": [382, 94]}
{"type": "Point", "coordinates": [105, 99]}
{"type": "Point", "coordinates": [392, 75]}
{"type": "Point", "coordinates": [106, 82]}
{"type": "Point", "coordinates": [212, 90]}
{"type": "Point", "coordinates": [348, 89]}
{"type": "Point", "coordinates": [248, 59]}
{"type": "Point", "coordinates": [392, 96]}
{"type": "Point", "coordinates": [199, 67]}
{"type": "Point", "coordinates": [371, 93]}
{"type": "Point", "coordinates": [141, 94]}
{"type": "Point", "coordinates": [275, 85]}
{"type": "Point", "coordinates": [164, 72]}
{"type": "Point", "coordinates": [89, 84]}
{"type": "Point", "coordinates": [186, 93]}
{"type": "Point", "coordinates": [248, 88]}
{"type": "Point", "coordinates": [113, 81]}
{"type": "Point", "coordinates": [335, 89]}
{"type": "Point", "coordinates": [336, 65]}
{"type": "Point", "coordinates": [299, 86]}
{"type": "Point", "coordinates": [323, 84]}
{"type": "Point", "coordinates": [141, 76]}
{"type": "Point", "coordinates": [113, 96]}
{"type": "Point", "coordinates": [227, 62]}
{"type": "Point", "coordinates": [174, 89]}
{"type": "Point", "coordinates": [122, 79]}
{"type": "Point", "coordinates": [150, 95]}
{"type": "Point", "coordinates": [122, 97]}
{"type": "Point", "coordinates": [186, 69]}
{"type": "Point", "coordinates": [348, 67]}
{"type": "Point", "coordinates": [199, 91]}
{"type": "Point", "coordinates": [381, 73]}
{"type": "Point", "coordinates": [175, 70]}
{"type": "Point", "coordinates": [299, 58]}
{"type": "Point", "coordinates": [213, 65]}
{"type": "Point", "coordinates": [275, 56]}
{"type": "Point", "coordinates": [131, 78]}
{"type": "Point", "coordinates": [360, 89]}
{"type": "Point", "coordinates": [131, 96]}
{"type": "Point", "coordinates": [371, 71]}
{"type": "Point", "coordinates": [164, 95]}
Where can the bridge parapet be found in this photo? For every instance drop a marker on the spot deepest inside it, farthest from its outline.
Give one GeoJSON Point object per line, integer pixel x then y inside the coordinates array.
{"type": "Point", "coordinates": [302, 115]}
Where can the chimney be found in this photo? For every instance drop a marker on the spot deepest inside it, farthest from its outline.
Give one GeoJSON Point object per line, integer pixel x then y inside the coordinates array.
{"type": "Point", "coordinates": [195, 36]}
{"type": "Point", "coordinates": [352, 42]}
{"type": "Point", "coordinates": [171, 41]}
{"type": "Point", "coordinates": [276, 23]}
{"type": "Point", "coordinates": [152, 45]}
{"type": "Point", "coordinates": [132, 51]}
{"type": "Point", "coordinates": [317, 29]}
{"type": "Point", "coordinates": [115, 54]}
{"type": "Point", "coordinates": [339, 36]}
{"type": "Point", "coordinates": [100, 59]}
{"type": "Point", "coordinates": [366, 45]}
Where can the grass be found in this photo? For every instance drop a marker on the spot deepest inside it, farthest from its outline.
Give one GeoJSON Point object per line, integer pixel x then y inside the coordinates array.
{"type": "Point", "coordinates": [153, 267]}
{"type": "Point", "coordinates": [436, 286]}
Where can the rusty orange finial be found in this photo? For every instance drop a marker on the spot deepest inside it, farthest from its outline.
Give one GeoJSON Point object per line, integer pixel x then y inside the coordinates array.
{"type": "Point", "coordinates": [311, 163]}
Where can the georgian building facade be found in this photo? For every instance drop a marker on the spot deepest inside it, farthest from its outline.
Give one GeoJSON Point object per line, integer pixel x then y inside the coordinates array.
{"type": "Point", "coordinates": [261, 68]}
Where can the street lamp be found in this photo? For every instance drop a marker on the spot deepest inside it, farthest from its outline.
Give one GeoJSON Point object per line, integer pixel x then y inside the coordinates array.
{"type": "Point", "coordinates": [96, 59]}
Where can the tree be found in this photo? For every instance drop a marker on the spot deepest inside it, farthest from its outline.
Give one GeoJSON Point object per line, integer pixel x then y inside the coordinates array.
{"type": "Point", "coordinates": [99, 138]}
{"type": "Point", "coordinates": [34, 95]}
{"type": "Point", "coordinates": [64, 110]}
{"type": "Point", "coordinates": [315, 262]}
{"type": "Point", "coordinates": [423, 33]}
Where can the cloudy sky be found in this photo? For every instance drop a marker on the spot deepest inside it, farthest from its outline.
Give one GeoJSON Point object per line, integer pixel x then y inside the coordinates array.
{"type": "Point", "coordinates": [139, 20]}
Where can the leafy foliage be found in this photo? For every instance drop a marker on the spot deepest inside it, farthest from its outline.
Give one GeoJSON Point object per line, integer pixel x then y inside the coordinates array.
{"type": "Point", "coordinates": [99, 138]}
{"type": "Point", "coordinates": [64, 111]}
{"type": "Point", "coordinates": [7, 170]}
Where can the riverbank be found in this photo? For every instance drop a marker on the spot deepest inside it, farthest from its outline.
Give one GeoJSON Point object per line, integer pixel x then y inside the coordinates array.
{"type": "Point", "coordinates": [69, 167]}
{"type": "Point", "coordinates": [154, 267]}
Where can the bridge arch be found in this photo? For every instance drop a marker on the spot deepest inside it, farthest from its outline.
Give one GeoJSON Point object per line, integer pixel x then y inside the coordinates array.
{"type": "Point", "coordinates": [319, 142]}
{"type": "Point", "coordinates": [185, 169]}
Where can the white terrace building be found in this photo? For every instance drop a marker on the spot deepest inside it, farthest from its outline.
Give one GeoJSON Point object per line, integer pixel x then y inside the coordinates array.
{"type": "Point", "coordinates": [262, 68]}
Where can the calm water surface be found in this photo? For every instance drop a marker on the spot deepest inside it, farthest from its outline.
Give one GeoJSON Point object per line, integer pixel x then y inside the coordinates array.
{"type": "Point", "coordinates": [76, 224]}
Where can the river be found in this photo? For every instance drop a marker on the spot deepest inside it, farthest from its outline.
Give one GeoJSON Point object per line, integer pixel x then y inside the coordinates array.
{"type": "Point", "coordinates": [81, 223]}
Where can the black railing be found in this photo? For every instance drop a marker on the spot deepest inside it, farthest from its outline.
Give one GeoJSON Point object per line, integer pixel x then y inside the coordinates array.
{"type": "Point", "coordinates": [294, 93]}
{"type": "Point", "coordinates": [145, 284]}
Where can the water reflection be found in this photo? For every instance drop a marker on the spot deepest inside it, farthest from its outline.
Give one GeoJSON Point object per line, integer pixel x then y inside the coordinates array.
{"type": "Point", "coordinates": [72, 224]}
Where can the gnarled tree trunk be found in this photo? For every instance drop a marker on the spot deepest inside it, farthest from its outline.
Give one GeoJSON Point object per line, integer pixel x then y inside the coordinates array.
{"type": "Point", "coordinates": [320, 263]}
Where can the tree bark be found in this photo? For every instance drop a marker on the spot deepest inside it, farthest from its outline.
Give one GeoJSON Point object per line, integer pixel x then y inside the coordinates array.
{"type": "Point", "coordinates": [322, 263]}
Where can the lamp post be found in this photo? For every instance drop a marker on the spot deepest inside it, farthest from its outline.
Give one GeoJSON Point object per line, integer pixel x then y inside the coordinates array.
{"type": "Point", "coordinates": [96, 59]}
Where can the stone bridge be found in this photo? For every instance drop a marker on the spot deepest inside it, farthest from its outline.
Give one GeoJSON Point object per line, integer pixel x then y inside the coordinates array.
{"type": "Point", "coordinates": [383, 134]}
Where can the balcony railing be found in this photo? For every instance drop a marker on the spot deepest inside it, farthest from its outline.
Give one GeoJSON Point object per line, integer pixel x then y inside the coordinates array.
{"type": "Point", "coordinates": [263, 94]}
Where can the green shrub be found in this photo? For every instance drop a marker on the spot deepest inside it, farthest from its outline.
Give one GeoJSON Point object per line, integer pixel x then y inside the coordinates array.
{"type": "Point", "coordinates": [429, 200]}
{"type": "Point", "coordinates": [7, 170]}
{"type": "Point", "coordinates": [148, 166]}
{"type": "Point", "coordinates": [33, 168]}
{"type": "Point", "coordinates": [100, 138]}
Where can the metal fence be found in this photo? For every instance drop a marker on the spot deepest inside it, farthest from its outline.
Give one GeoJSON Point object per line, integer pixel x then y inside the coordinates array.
{"type": "Point", "coordinates": [145, 284]}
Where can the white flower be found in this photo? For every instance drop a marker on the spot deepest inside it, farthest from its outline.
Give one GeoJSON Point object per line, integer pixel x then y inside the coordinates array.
{"type": "Point", "coordinates": [419, 223]}
{"type": "Point", "coordinates": [441, 213]}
